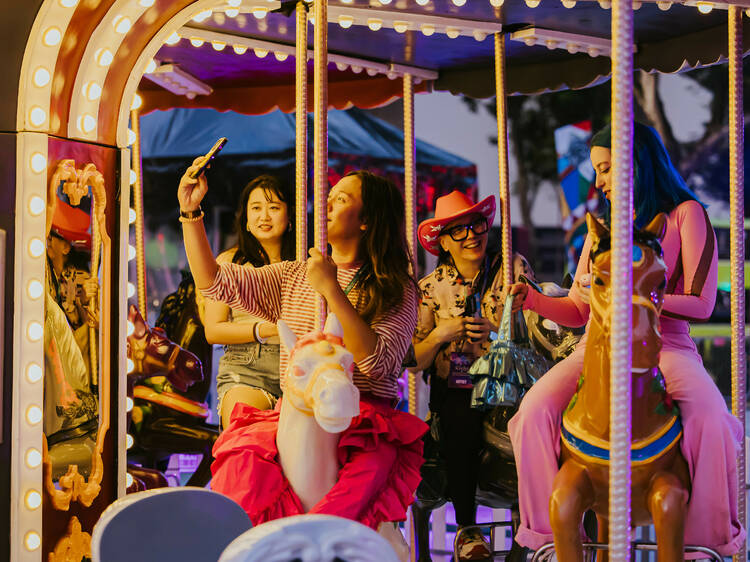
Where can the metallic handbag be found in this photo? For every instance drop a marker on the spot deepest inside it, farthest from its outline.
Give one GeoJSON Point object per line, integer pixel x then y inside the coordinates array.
{"type": "Point", "coordinates": [503, 375]}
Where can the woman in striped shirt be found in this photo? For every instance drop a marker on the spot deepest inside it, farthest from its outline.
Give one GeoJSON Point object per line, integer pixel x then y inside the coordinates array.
{"type": "Point", "coordinates": [381, 452]}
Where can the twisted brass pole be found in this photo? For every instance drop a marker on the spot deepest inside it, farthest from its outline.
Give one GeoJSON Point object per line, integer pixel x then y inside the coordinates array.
{"type": "Point", "coordinates": [502, 160]}
{"type": "Point", "coordinates": [737, 248]}
{"type": "Point", "coordinates": [301, 134]}
{"type": "Point", "coordinates": [410, 200]}
{"type": "Point", "coordinates": [140, 249]}
{"type": "Point", "coordinates": [320, 78]}
{"type": "Point", "coordinates": [622, 289]}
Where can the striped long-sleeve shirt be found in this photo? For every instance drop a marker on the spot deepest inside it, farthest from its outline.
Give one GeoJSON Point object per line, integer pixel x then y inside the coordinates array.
{"type": "Point", "coordinates": [281, 291]}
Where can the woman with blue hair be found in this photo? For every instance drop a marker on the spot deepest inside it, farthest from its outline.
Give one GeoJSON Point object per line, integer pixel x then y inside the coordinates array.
{"type": "Point", "coordinates": [711, 434]}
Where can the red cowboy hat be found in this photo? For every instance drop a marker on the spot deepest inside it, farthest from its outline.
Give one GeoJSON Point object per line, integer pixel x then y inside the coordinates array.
{"type": "Point", "coordinates": [72, 224]}
{"type": "Point", "coordinates": [447, 209]}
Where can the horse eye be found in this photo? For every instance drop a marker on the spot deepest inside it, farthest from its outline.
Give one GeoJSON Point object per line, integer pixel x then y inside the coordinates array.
{"type": "Point", "coordinates": [599, 281]}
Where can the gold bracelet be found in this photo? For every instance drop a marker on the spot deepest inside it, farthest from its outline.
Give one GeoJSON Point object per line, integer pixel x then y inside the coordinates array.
{"type": "Point", "coordinates": [192, 219]}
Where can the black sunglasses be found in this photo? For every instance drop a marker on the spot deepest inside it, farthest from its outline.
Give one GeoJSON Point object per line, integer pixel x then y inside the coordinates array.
{"type": "Point", "coordinates": [460, 232]}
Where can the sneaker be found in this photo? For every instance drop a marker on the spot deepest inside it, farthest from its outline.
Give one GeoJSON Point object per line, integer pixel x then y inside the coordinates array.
{"type": "Point", "coordinates": [471, 545]}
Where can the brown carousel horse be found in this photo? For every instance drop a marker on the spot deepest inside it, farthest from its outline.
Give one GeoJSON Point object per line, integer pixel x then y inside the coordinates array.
{"type": "Point", "coordinates": [660, 480]}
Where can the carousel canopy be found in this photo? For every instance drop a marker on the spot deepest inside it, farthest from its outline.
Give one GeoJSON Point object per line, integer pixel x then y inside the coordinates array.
{"type": "Point", "coordinates": [190, 132]}
{"type": "Point", "coordinates": [240, 52]}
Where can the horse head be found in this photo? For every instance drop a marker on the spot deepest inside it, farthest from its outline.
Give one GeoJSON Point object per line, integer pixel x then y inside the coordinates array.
{"type": "Point", "coordinates": [649, 282]}
{"type": "Point", "coordinates": [319, 376]}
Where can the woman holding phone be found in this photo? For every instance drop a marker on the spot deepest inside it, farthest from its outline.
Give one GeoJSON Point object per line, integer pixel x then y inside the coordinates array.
{"type": "Point", "coordinates": [381, 451]}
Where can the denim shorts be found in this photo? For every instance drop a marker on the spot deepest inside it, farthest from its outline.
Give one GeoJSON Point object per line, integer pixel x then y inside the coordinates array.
{"type": "Point", "coordinates": [249, 364]}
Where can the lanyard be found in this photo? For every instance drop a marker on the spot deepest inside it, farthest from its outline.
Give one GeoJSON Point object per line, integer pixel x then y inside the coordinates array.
{"type": "Point", "coordinates": [353, 282]}
{"type": "Point", "coordinates": [477, 295]}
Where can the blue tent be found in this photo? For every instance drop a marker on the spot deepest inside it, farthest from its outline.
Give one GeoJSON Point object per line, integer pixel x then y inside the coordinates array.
{"type": "Point", "coordinates": [270, 138]}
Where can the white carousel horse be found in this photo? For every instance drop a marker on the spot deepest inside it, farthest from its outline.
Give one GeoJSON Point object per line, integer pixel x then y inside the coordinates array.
{"type": "Point", "coordinates": [319, 402]}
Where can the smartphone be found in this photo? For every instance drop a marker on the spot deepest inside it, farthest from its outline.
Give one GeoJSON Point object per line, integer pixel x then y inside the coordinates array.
{"type": "Point", "coordinates": [215, 149]}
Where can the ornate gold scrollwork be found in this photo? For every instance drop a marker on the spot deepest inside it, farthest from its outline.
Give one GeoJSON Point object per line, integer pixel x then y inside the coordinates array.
{"type": "Point", "coordinates": [75, 545]}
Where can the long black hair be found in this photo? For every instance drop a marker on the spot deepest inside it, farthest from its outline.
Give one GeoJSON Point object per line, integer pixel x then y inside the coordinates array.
{"type": "Point", "coordinates": [249, 249]}
{"type": "Point", "coordinates": [387, 267]}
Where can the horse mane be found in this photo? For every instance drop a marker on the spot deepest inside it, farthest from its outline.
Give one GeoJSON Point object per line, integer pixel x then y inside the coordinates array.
{"type": "Point", "coordinates": [604, 244]}
{"type": "Point", "coordinates": [314, 337]}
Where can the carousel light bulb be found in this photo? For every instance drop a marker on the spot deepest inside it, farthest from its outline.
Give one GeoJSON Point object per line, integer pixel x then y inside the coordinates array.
{"type": "Point", "coordinates": [36, 204]}
{"type": "Point", "coordinates": [68, 3]}
{"type": "Point", "coordinates": [34, 373]}
{"type": "Point", "coordinates": [569, 3]}
{"type": "Point", "coordinates": [260, 53]}
{"type": "Point", "coordinates": [131, 137]}
{"type": "Point", "coordinates": [131, 328]}
{"type": "Point", "coordinates": [532, 3]}
{"type": "Point", "coordinates": [372, 71]}
{"type": "Point", "coordinates": [38, 163]}
{"type": "Point", "coordinates": [172, 39]}
{"type": "Point", "coordinates": [593, 52]}
{"type": "Point", "coordinates": [356, 69]}
{"type": "Point", "coordinates": [260, 12]}
{"type": "Point", "coordinates": [34, 289]}
{"type": "Point", "coordinates": [479, 35]}
{"type": "Point", "coordinates": [131, 216]}
{"type": "Point", "coordinates": [33, 499]}
{"type": "Point", "coordinates": [239, 49]}
{"type": "Point", "coordinates": [131, 252]}
{"type": "Point", "coordinates": [704, 7]}
{"type": "Point", "coordinates": [345, 1]}
{"type": "Point", "coordinates": [385, 2]}
{"type": "Point", "coordinates": [637, 5]}
{"type": "Point", "coordinates": [530, 41]}
{"type": "Point", "coordinates": [346, 21]}
{"type": "Point", "coordinates": [133, 177]}
{"type": "Point", "coordinates": [146, 3]}
{"type": "Point", "coordinates": [664, 6]}
{"type": "Point", "coordinates": [427, 29]}
{"type": "Point", "coordinates": [92, 91]}
{"type": "Point", "coordinates": [37, 116]}
{"type": "Point", "coordinates": [131, 290]}
{"type": "Point", "coordinates": [423, 2]}
{"type": "Point", "coordinates": [401, 26]}
{"type": "Point", "coordinates": [33, 414]}
{"type": "Point", "coordinates": [32, 540]}
{"type": "Point", "coordinates": [374, 24]}
{"type": "Point", "coordinates": [130, 365]}
{"type": "Point", "coordinates": [202, 16]}
{"type": "Point", "coordinates": [196, 41]}
{"type": "Point", "coordinates": [747, 12]}
{"type": "Point", "coordinates": [41, 77]}
{"type": "Point", "coordinates": [234, 3]}
{"type": "Point", "coordinates": [137, 102]}
{"type": "Point", "coordinates": [33, 458]}
{"type": "Point", "coordinates": [342, 66]}
{"type": "Point", "coordinates": [128, 403]}
{"type": "Point", "coordinates": [150, 67]}
{"type": "Point", "coordinates": [103, 57]}
{"type": "Point", "coordinates": [128, 480]}
{"type": "Point", "coordinates": [497, 3]}
{"type": "Point", "coordinates": [452, 32]}
{"type": "Point", "coordinates": [232, 12]}
{"type": "Point", "coordinates": [392, 75]}
{"type": "Point", "coordinates": [572, 48]}
{"type": "Point", "coordinates": [129, 441]}
{"type": "Point", "coordinates": [34, 331]}
{"type": "Point", "coordinates": [281, 57]}
{"type": "Point", "coordinates": [311, 19]}
{"type": "Point", "coordinates": [605, 4]}
{"type": "Point", "coordinates": [121, 24]}
{"type": "Point", "coordinates": [550, 44]}
{"type": "Point", "coordinates": [459, 3]}
{"type": "Point", "coordinates": [218, 45]}
{"type": "Point", "coordinates": [52, 37]}
{"type": "Point", "coordinates": [86, 123]}
{"type": "Point", "coordinates": [36, 247]}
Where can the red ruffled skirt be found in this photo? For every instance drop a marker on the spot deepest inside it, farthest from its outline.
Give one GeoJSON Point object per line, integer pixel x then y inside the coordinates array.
{"type": "Point", "coordinates": [380, 455]}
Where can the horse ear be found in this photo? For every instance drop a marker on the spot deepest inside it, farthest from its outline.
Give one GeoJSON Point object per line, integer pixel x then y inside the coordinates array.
{"type": "Point", "coordinates": [596, 229]}
{"type": "Point", "coordinates": [286, 335]}
{"type": "Point", "coordinates": [658, 226]}
{"type": "Point", "coordinates": [333, 326]}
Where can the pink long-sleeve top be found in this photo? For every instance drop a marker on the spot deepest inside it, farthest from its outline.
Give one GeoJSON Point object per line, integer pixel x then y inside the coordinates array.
{"type": "Point", "coordinates": [281, 291]}
{"type": "Point", "coordinates": [691, 257]}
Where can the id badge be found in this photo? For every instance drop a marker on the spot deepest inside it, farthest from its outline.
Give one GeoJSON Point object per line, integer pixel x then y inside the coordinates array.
{"type": "Point", "coordinates": [458, 376]}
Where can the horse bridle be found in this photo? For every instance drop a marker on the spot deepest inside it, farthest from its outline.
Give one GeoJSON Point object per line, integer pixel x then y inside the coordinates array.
{"type": "Point", "coordinates": [306, 395]}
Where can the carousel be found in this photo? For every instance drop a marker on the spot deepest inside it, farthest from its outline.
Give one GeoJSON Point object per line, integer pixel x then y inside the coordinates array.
{"type": "Point", "coordinates": [83, 365]}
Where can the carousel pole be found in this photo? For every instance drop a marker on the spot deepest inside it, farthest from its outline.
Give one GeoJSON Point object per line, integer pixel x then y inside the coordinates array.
{"type": "Point", "coordinates": [737, 247]}
{"type": "Point", "coordinates": [410, 199]}
{"type": "Point", "coordinates": [622, 271]}
{"type": "Point", "coordinates": [140, 255]}
{"type": "Point", "coordinates": [320, 77]}
{"type": "Point", "coordinates": [301, 134]}
{"type": "Point", "coordinates": [502, 159]}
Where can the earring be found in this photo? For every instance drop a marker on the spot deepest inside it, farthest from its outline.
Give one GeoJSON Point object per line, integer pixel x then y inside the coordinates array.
{"type": "Point", "coordinates": [289, 227]}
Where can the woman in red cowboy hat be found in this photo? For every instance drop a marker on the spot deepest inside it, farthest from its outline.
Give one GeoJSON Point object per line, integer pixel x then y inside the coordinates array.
{"type": "Point", "coordinates": [460, 305]}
